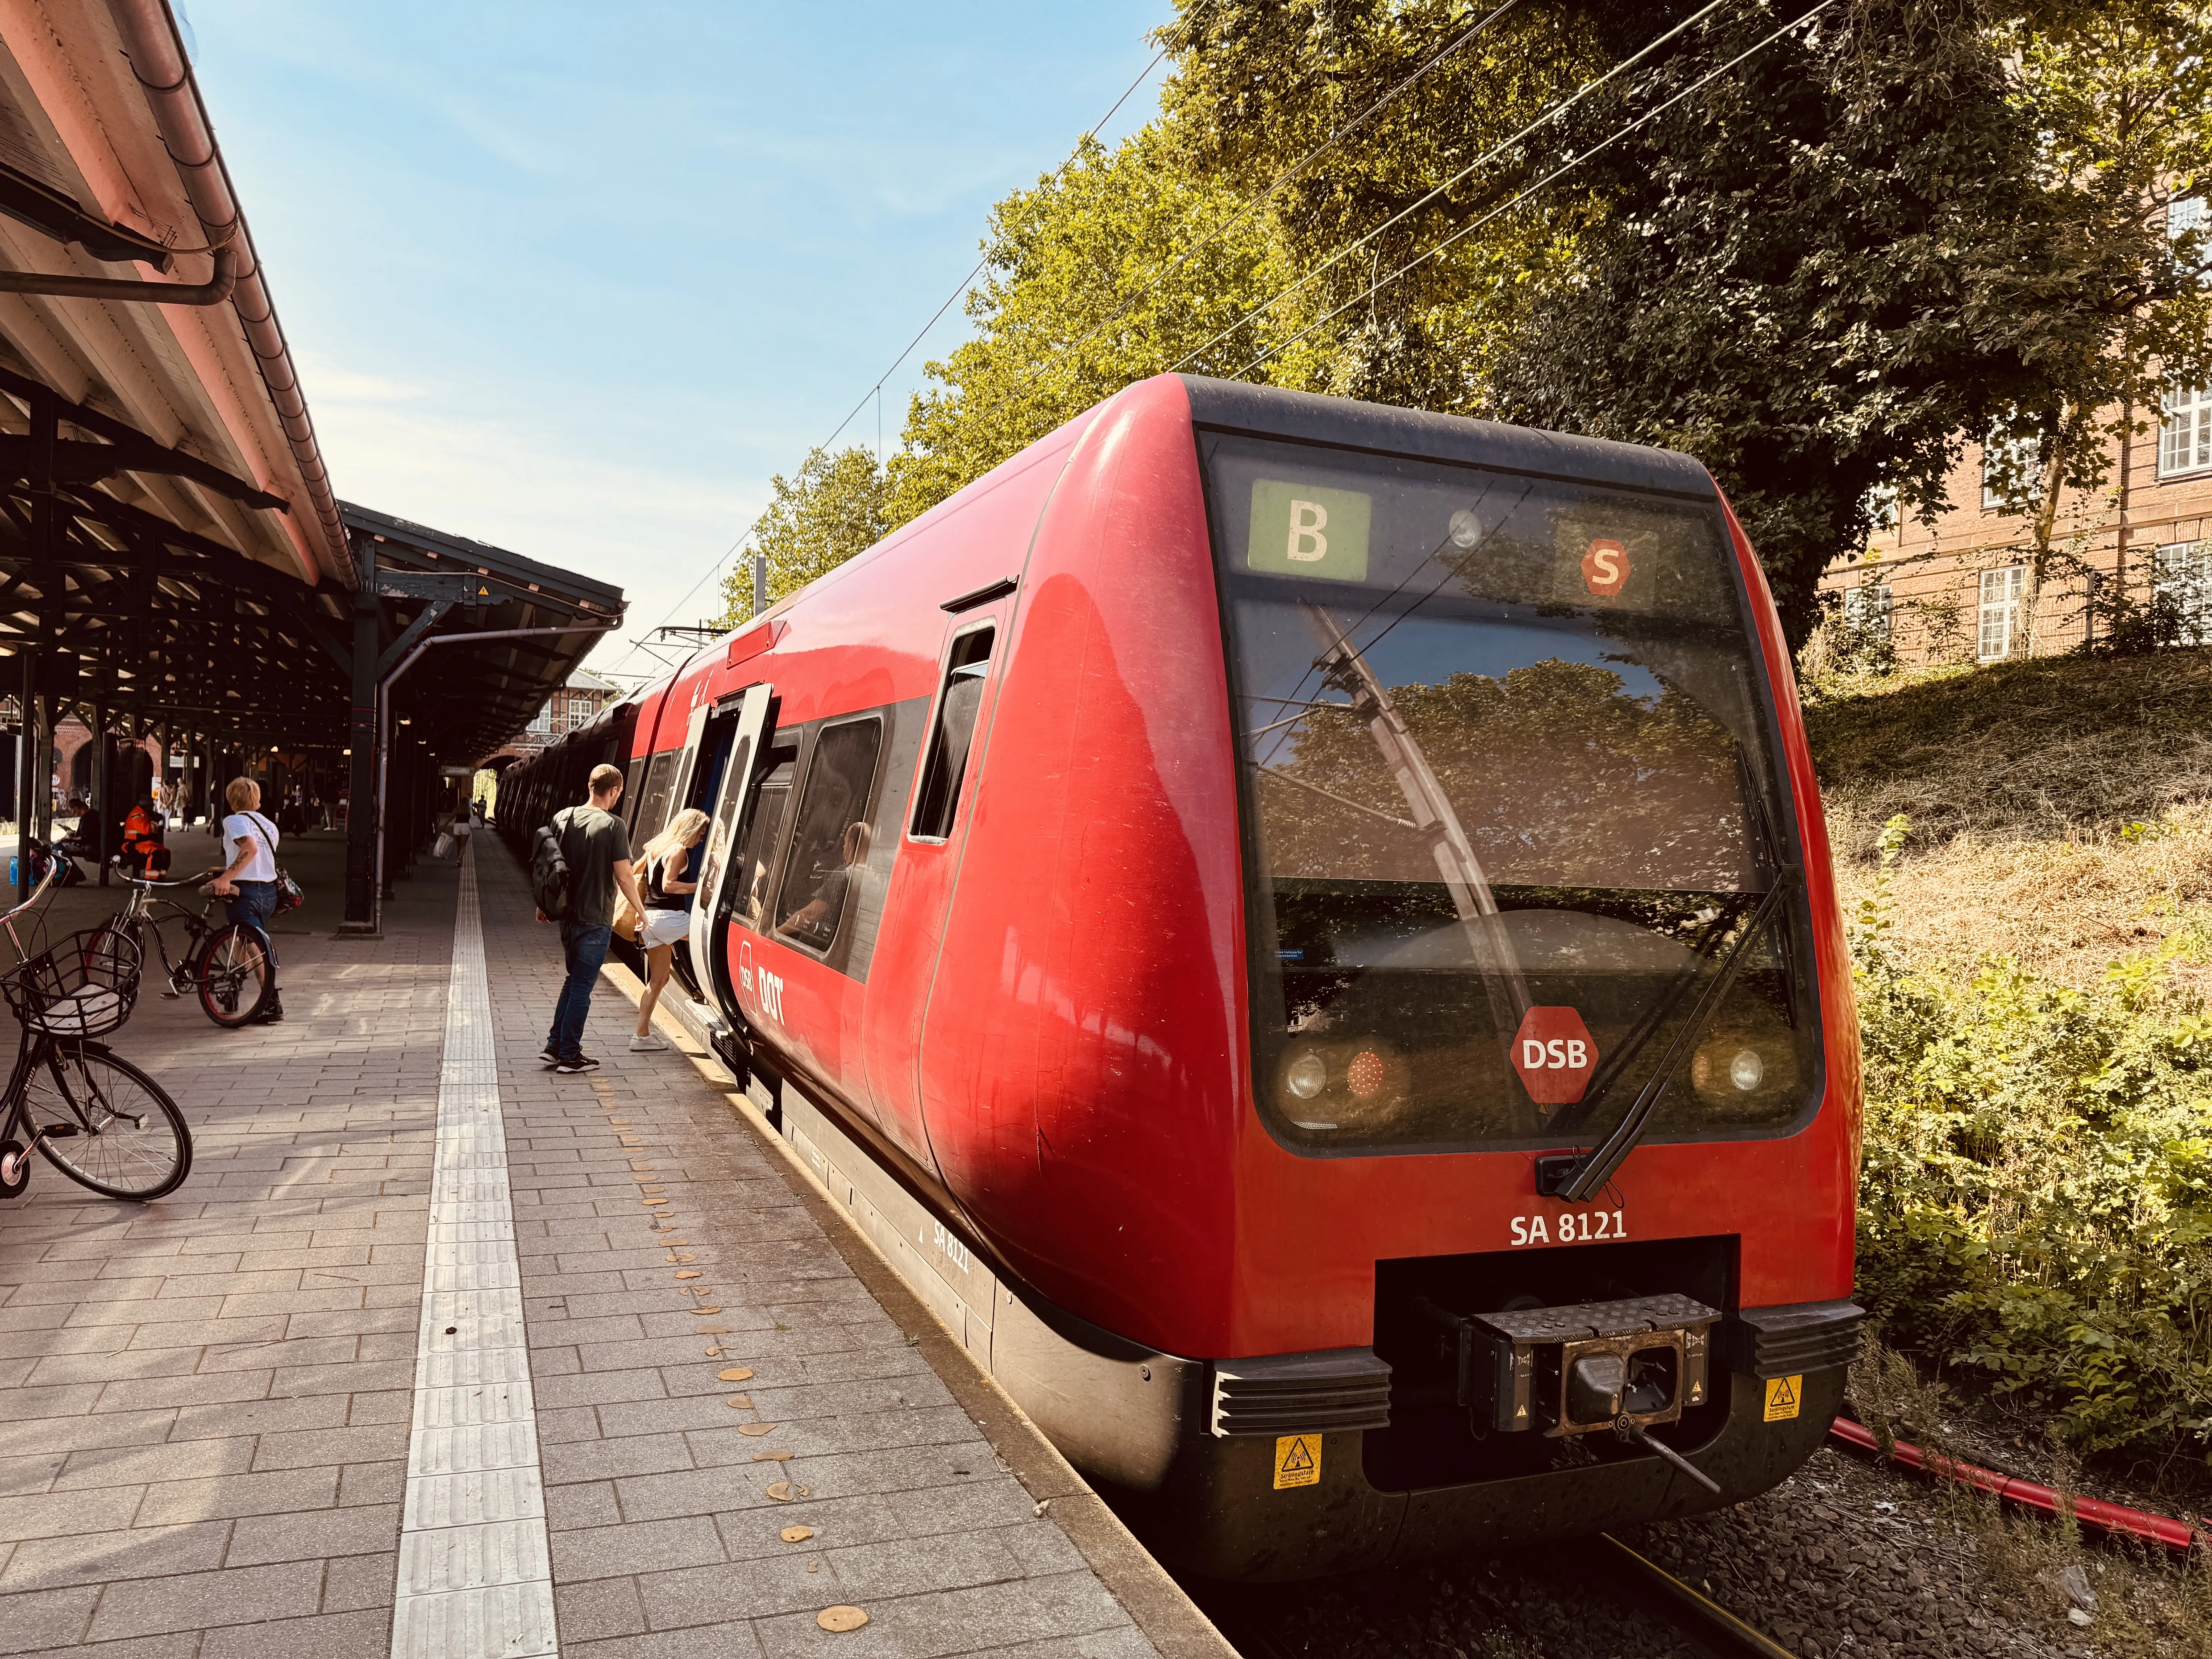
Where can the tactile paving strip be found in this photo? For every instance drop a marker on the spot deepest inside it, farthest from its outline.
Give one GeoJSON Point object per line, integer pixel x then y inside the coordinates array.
{"type": "Point", "coordinates": [475, 1581]}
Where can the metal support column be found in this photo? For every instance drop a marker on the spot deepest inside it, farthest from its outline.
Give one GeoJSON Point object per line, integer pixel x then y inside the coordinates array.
{"type": "Point", "coordinates": [363, 909]}
{"type": "Point", "coordinates": [46, 427]}
{"type": "Point", "coordinates": [103, 794]}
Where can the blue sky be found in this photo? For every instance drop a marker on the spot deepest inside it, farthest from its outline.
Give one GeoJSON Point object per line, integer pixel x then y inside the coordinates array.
{"type": "Point", "coordinates": [577, 279]}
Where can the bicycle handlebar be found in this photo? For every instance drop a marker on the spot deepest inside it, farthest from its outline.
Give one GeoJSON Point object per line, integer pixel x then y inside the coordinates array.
{"type": "Point", "coordinates": [148, 882]}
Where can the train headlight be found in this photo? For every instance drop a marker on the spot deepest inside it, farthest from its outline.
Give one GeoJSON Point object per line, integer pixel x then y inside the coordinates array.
{"type": "Point", "coordinates": [1367, 1074]}
{"type": "Point", "coordinates": [1746, 1070]}
{"type": "Point", "coordinates": [1306, 1076]}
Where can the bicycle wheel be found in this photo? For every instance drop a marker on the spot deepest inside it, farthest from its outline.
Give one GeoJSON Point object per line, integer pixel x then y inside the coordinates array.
{"type": "Point", "coordinates": [106, 1125]}
{"type": "Point", "coordinates": [107, 939]}
{"type": "Point", "coordinates": [236, 977]}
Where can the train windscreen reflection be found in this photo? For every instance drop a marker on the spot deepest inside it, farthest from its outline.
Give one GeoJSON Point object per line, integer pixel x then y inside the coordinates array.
{"type": "Point", "coordinates": [1505, 754]}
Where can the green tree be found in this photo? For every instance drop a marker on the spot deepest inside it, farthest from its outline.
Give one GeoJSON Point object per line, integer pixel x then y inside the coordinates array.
{"type": "Point", "coordinates": [1822, 256]}
{"type": "Point", "coordinates": [1379, 128]}
{"type": "Point", "coordinates": [834, 507]}
{"type": "Point", "coordinates": [1111, 269]}
{"type": "Point", "coordinates": [2122, 93]}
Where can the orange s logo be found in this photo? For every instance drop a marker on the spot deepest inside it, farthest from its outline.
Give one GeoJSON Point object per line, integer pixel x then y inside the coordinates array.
{"type": "Point", "coordinates": [1606, 569]}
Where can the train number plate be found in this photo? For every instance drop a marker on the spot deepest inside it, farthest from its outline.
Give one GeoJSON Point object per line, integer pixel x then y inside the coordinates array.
{"type": "Point", "coordinates": [1573, 1227]}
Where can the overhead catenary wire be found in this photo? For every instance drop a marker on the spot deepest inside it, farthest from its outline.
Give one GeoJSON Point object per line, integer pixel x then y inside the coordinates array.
{"type": "Point", "coordinates": [1259, 198]}
{"type": "Point", "coordinates": [967, 281]}
{"type": "Point", "coordinates": [1556, 112]}
{"type": "Point", "coordinates": [1566, 167]}
{"type": "Point", "coordinates": [875, 391]}
{"type": "Point", "coordinates": [1468, 229]}
{"type": "Point", "coordinates": [638, 644]}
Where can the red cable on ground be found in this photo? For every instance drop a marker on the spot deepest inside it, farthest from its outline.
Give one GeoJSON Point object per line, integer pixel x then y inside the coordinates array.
{"type": "Point", "coordinates": [2089, 1511]}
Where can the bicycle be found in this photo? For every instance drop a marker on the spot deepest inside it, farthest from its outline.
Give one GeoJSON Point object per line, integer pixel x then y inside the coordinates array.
{"type": "Point", "coordinates": [89, 1112]}
{"type": "Point", "coordinates": [226, 964]}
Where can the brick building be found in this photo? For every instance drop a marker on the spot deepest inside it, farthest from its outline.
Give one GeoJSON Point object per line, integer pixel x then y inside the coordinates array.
{"type": "Point", "coordinates": [577, 703]}
{"type": "Point", "coordinates": [1957, 591]}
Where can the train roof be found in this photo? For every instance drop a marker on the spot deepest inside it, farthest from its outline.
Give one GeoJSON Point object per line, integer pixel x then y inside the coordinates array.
{"type": "Point", "coordinates": [1300, 417]}
{"type": "Point", "coordinates": [1268, 411]}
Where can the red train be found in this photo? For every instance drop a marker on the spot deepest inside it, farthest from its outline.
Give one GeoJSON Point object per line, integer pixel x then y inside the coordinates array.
{"type": "Point", "coordinates": [1304, 930]}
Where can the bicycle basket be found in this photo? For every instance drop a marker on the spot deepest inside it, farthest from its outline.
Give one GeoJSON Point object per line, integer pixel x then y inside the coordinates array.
{"type": "Point", "coordinates": [83, 987]}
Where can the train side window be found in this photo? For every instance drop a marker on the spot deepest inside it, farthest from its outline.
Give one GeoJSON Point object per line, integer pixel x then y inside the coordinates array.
{"type": "Point", "coordinates": [956, 706]}
{"type": "Point", "coordinates": [830, 848]}
{"type": "Point", "coordinates": [746, 893]}
{"type": "Point", "coordinates": [629, 795]}
{"type": "Point", "coordinates": [653, 808]}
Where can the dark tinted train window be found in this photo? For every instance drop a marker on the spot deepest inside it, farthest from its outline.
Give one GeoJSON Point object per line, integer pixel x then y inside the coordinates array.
{"type": "Point", "coordinates": [629, 797]}
{"type": "Point", "coordinates": [830, 849]}
{"type": "Point", "coordinates": [652, 809]}
{"type": "Point", "coordinates": [955, 729]}
{"type": "Point", "coordinates": [747, 891]}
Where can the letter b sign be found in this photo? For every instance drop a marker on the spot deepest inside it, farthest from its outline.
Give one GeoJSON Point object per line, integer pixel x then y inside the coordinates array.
{"type": "Point", "coordinates": [1554, 1054]}
{"type": "Point", "coordinates": [1307, 545]}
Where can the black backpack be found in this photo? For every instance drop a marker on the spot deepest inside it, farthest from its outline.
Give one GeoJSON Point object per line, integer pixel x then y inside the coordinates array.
{"type": "Point", "coordinates": [552, 884]}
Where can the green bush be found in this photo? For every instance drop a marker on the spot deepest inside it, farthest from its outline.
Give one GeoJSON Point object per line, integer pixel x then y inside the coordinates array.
{"type": "Point", "coordinates": [2035, 1210]}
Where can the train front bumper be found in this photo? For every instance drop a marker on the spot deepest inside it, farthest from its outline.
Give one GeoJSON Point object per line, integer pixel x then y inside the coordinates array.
{"type": "Point", "coordinates": [1253, 1508]}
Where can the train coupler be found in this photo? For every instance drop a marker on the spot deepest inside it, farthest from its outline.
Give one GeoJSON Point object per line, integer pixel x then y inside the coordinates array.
{"type": "Point", "coordinates": [1578, 1369]}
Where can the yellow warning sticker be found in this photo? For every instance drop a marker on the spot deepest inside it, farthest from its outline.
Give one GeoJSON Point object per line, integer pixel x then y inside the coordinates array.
{"type": "Point", "coordinates": [1298, 1461]}
{"type": "Point", "coordinates": [1782, 1397]}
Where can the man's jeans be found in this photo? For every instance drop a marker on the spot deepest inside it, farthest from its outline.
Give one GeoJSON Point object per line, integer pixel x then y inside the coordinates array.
{"type": "Point", "coordinates": [586, 948]}
{"type": "Point", "coordinates": [256, 901]}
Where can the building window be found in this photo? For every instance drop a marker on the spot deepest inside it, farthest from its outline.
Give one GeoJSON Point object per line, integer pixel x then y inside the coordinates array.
{"type": "Point", "coordinates": [1866, 610]}
{"type": "Point", "coordinates": [2185, 436]}
{"type": "Point", "coordinates": [2001, 592]}
{"type": "Point", "coordinates": [2010, 470]}
{"type": "Point", "coordinates": [2182, 215]}
{"type": "Point", "coordinates": [1882, 509]}
{"type": "Point", "coordinates": [2182, 578]}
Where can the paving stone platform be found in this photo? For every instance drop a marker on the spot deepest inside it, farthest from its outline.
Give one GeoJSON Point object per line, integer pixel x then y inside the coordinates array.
{"type": "Point", "coordinates": [207, 1404]}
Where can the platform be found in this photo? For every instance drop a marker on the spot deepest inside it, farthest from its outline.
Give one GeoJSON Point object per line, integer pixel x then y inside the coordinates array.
{"type": "Point", "coordinates": [246, 1421]}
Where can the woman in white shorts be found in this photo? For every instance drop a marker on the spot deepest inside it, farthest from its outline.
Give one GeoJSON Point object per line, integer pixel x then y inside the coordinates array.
{"type": "Point", "coordinates": [668, 879]}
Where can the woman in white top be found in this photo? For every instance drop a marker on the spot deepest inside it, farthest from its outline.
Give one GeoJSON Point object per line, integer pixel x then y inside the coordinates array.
{"type": "Point", "coordinates": [250, 882]}
{"type": "Point", "coordinates": [667, 872]}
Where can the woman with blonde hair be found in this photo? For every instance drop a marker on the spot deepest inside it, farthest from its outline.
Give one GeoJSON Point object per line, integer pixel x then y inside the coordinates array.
{"type": "Point", "coordinates": [668, 874]}
{"type": "Point", "coordinates": [249, 881]}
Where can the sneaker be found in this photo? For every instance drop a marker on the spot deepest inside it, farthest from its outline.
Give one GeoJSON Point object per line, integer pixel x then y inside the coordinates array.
{"type": "Point", "coordinates": [647, 1044]}
{"type": "Point", "coordinates": [569, 1067]}
{"type": "Point", "coordinates": [273, 1014]}
{"type": "Point", "coordinates": [584, 1062]}
{"type": "Point", "coordinates": [548, 1055]}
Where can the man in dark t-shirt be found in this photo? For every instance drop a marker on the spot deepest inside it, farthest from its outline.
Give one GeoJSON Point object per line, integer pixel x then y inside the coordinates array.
{"type": "Point", "coordinates": [597, 848]}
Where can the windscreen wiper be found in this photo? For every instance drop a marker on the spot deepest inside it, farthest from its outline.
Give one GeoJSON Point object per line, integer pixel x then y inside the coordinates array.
{"type": "Point", "coordinates": [1579, 1177]}
{"type": "Point", "coordinates": [1707, 946]}
{"type": "Point", "coordinates": [1435, 819]}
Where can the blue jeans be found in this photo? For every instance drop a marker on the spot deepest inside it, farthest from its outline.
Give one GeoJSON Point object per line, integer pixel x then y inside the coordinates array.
{"type": "Point", "coordinates": [586, 948]}
{"type": "Point", "coordinates": [256, 901]}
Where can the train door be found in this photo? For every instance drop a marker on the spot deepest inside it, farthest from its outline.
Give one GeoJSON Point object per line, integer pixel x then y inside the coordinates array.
{"type": "Point", "coordinates": [710, 905]}
{"type": "Point", "coordinates": [906, 957]}
{"type": "Point", "coordinates": [687, 767]}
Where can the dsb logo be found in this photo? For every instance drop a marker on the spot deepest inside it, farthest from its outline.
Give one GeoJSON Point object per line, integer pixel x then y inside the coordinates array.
{"type": "Point", "coordinates": [1555, 1054]}
{"type": "Point", "coordinates": [765, 988]}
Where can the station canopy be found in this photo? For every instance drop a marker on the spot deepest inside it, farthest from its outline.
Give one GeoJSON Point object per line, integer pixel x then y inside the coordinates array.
{"type": "Point", "coordinates": [172, 550]}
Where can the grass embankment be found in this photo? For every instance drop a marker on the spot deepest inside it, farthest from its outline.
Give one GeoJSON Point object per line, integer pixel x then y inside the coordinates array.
{"type": "Point", "coordinates": [2033, 953]}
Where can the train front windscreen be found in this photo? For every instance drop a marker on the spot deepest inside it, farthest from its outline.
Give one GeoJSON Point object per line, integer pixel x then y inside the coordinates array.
{"type": "Point", "coordinates": [1515, 838]}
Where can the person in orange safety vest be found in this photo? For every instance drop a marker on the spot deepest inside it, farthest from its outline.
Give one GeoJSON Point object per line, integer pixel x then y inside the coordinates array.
{"type": "Point", "coordinates": [141, 839]}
